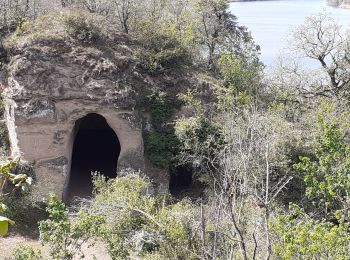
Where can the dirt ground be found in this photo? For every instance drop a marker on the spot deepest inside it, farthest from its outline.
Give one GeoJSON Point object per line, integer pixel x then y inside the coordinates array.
{"type": "Point", "coordinates": [7, 244]}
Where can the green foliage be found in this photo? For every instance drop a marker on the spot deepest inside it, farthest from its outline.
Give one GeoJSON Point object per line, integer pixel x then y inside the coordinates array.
{"type": "Point", "coordinates": [301, 237]}
{"type": "Point", "coordinates": [23, 208]}
{"type": "Point", "coordinates": [161, 147]}
{"type": "Point", "coordinates": [14, 181]}
{"type": "Point", "coordinates": [127, 209]}
{"type": "Point", "coordinates": [23, 252]}
{"type": "Point", "coordinates": [322, 232]}
{"type": "Point", "coordinates": [46, 27]}
{"type": "Point", "coordinates": [165, 54]}
{"type": "Point", "coordinates": [328, 176]}
{"type": "Point", "coordinates": [167, 38]}
{"type": "Point", "coordinates": [160, 141]}
{"type": "Point", "coordinates": [22, 27]}
{"type": "Point", "coordinates": [56, 230]}
{"type": "Point", "coordinates": [161, 108]}
{"type": "Point", "coordinates": [242, 78]}
{"type": "Point", "coordinates": [200, 140]}
{"type": "Point", "coordinates": [63, 236]}
{"type": "Point", "coordinates": [140, 225]}
{"type": "Point", "coordinates": [77, 25]}
{"type": "Point", "coordinates": [4, 224]}
{"type": "Point", "coordinates": [132, 223]}
{"type": "Point", "coordinates": [82, 27]}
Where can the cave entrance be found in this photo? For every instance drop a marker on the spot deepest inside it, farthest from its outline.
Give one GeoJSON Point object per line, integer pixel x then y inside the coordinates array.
{"type": "Point", "coordinates": [181, 181]}
{"type": "Point", "coordinates": [96, 148]}
{"type": "Point", "coordinates": [183, 184]}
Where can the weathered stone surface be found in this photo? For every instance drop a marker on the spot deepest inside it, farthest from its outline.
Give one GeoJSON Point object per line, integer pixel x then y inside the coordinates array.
{"type": "Point", "coordinates": [51, 85]}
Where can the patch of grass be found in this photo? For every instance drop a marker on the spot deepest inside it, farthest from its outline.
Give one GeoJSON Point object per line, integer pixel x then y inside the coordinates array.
{"type": "Point", "coordinates": [76, 25]}
{"type": "Point", "coordinates": [46, 27]}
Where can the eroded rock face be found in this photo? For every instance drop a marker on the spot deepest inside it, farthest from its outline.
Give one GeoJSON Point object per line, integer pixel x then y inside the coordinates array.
{"type": "Point", "coordinates": [49, 86]}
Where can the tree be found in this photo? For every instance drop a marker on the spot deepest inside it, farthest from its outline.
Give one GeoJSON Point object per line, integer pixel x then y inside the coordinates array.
{"type": "Point", "coordinates": [318, 228]}
{"type": "Point", "coordinates": [322, 40]}
{"type": "Point", "coordinates": [218, 27]}
{"type": "Point", "coordinates": [300, 236]}
{"type": "Point", "coordinates": [246, 168]}
{"type": "Point", "coordinates": [66, 237]}
{"type": "Point", "coordinates": [125, 11]}
{"type": "Point", "coordinates": [327, 175]}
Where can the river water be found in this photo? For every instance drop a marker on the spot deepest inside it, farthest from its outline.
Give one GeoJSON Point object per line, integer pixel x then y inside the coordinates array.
{"type": "Point", "coordinates": [271, 22]}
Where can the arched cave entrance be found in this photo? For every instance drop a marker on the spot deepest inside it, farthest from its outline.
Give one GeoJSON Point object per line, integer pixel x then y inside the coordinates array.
{"type": "Point", "coordinates": [96, 148]}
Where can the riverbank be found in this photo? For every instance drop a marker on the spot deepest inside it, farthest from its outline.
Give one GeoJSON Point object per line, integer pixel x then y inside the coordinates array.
{"type": "Point", "coordinates": [344, 6]}
{"type": "Point", "coordinates": [271, 22]}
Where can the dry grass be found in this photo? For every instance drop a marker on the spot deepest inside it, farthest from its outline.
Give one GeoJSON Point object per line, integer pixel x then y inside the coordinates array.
{"type": "Point", "coordinates": [53, 27]}
{"type": "Point", "coordinates": [7, 244]}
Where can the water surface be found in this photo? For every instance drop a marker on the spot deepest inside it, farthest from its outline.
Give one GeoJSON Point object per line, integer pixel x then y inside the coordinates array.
{"type": "Point", "coordinates": [270, 22]}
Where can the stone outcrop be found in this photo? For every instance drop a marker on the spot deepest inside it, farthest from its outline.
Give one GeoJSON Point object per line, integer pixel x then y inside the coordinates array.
{"type": "Point", "coordinates": [51, 85]}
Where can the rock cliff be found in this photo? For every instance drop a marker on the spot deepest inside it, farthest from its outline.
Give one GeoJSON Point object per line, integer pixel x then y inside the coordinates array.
{"type": "Point", "coordinates": [52, 82]}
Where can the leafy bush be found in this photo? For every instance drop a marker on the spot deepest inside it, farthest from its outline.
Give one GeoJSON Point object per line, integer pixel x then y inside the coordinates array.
{"type": "Point", "coordinates": [131, 222]}
{"type": "Point", "coordinates": [160, 141]}
{"type": "Point", "coordinates": [23, 252]}
{"type": "Point", "coordinates": [139, 225]}
{"type": "Point", "coordinates": [161, 147]}
{"type": "Point", "coordinates": [161, 108]}
{"type": "Point", "coordinates": [327, 176]}
{"type": "Point", "coordinates": [23, 208]}
{"type": "Point", "coordinates": [162, 48]}
{"type": "Point", "coordinates": [301, 237]}
{"type": "Point", "coordinates": [65, 237]}
{"type": "Point", "coordinates": [9, 184]}
{"type": "Point", "coordinates": [81, 27]}
{"type": "Point", "coordinates": [200, 141]}
{"type": "Point", "coordinates": [320, 230]}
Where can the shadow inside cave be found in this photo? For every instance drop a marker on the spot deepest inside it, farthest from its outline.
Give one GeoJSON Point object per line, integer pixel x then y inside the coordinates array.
{"type": "Point", "coordinates": [96, 148]}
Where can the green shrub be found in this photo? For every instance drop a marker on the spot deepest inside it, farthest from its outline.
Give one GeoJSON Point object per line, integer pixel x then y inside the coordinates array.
{"type": "Point", "coordinates": [161, 108]}
{"type": "Point", "coordinates": [132, 223]}
{"type": "Point", "coordinates": [327, 175]}
{"type": "Point", "coordinates": [10, 183]}
{"type": "Point", "coordinates": [163, 49]}
{"type": "Point", "coordinates": [81, 27]}
{"type": "Point", "coordinates": [139, 224]}
{"type": "Point", "coordinates": [65, 237]}
{"type": "Point", "coordinates": [45, 27]}
{"type": "Point", "coordinates": [23, 252]}
{"type": "Point", "coordinates": [200, 141]}
{"type": "Point", "coordinates": [161, 147]}
{"type": "Point", "coordinates": [301, 237]}
{"type": "Point", "coordinates": [160, 141]}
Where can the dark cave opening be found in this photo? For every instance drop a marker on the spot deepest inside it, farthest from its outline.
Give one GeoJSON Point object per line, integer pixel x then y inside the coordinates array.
{"type": "Point", "coordinates": [96, 148]}
{"type": "Point", "coordinates": [183, 183]}
{"type": "Point", "coordinates": [180, 177]}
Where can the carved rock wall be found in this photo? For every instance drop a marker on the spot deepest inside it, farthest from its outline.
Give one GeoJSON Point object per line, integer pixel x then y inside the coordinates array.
{"type": "Point", "coordinates": [50, 86]}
